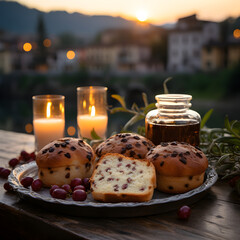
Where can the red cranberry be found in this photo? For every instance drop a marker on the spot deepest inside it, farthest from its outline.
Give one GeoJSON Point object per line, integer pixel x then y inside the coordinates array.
{"type": "Point", "coordinates": [53, 188]}
{"type": "Point", "coordinates": [5, 173]}
{"type": "Point", "coordinates": [75, 182]}
{"type": "Point", "coordinates": [13, 162]}
{"type": "Point", "coordinates": [37, 185]}
{"type": "Point", "coordinates": [27, 181]}
{"type": "Point", "coordinates": [33, 155]}
{"type": "Point", "coordinates": [81, 187]}
{"type": "Point", "coordinates": [25, 156]}
{"type": "Point", "coordinates": [86, 183]}
{"type": "Point", "coordinates": [7, 186]}
{"type": "Point", "coordinates": [79, 195]}
{"type": "Point", "coordinates": [67, 188]}
{"type": "Point", "coordinates": [184, 212]}
{"type": "Point", "coordinates": [59, 193]}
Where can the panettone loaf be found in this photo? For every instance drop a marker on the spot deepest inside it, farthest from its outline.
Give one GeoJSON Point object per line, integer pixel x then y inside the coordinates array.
{"type": "Point", "coordinates": [63, 160]}
{"type": "Point", "coordinates": [180, 167]}
{"type": "Point", "coordinates": [128, 144]}
{"type": "Point", "coordinates": [117, 178]}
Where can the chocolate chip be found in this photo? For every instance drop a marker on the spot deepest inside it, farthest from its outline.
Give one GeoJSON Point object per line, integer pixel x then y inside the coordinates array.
{"type": "Point", "coordinates": [67, 168]}
{"type": "Point", "coordinates": [101, 178]}
{"type": "Point", "coordinates": [63, 145]}
{"type": "Point", "coordinates": [187, 153]}
{"type": "Point", "coordinates": [124, 140]}
{"type": "Point", "coordinates": [123, 150]}
{"type": "Point", "coordinates": [139, 155]}
{"type": "Point", "coordinates": [144, 143]}
{"type": "Point", "coordinates": [67, 155]}
{"type": "Point", "coordinates": [89, 157]}
{"type": "Point", "coordinates": [67, 175]}
{"type": "Point", "coordinates": [72, 148]}
{"type": "Point", "coordinates": [164, 144]}
{"type": "Point", "coordinates": [51, 171]}
{"type": "Point", "coordinates": [198, 148]}
{"type": "Point", "coordinates": [109, 144]}
{"type": "Point", "coordinates": [155, 156]}
{"type": "Point", "coordinates": [127, 134]}
{"type": "Point", "coordinates": [129, 146]}
{"type": "Point", "coordinates": [132, 153]}
{"type": "Point", "coordinates": [107, 169]}
{"type": "Point", "coordinates": [174, 154]}
{"type": "Point", "coordinates": [44, 151]}
{"type": "Point", "coordinates": [124, 186]}
{"type": "Point", "coordinates": [161, 164]}
{"type": "Point", "coordinates": [186, 185]}
{"type": "Point", "coordinates": [198, 155]}
{"type": "Point", "coordinates": [57, 145]}
{"type": "Point", "coordinates": [174, 143]}
{"type": "Point", "coordinates": [120, 159]}
{"type": "Point", "coordinates": [80, 143]}
{"type": "Point", "coordinates": [116, 187]}
{"type": "Point", "coordinates": [41, 173]}
{"type": "Point", "coordinates": [110, 179]}
{"type": "Point", "coordinates": [183, 160]}
{"type": "Point", "coordinates": [128, 165]}
{"type": "Point", "coordinates": [170, 187]}
{"type": "Point", "coordinates": [49, 168]}
{"type": "Point", "coordinates": [190, 177]}
{"type": "Point", "coordinates": [180, 154]}
{"type": "Point", "coordinates": [51, 149]}
{"type": "Point", "coordinates": [141, 171]}
{"type": "Point", "coordinates": [165, 156]}
{"type": "Point", "coordinates": [60, 152]}
{"type": "Point", "coordinates": [138, 145]}
{"type": "Point", "coordinates": [142, 188]}
{"type": "Point", "coordinates": [133, 168]}
{"type": "Point", "coordinates": [136, 137]}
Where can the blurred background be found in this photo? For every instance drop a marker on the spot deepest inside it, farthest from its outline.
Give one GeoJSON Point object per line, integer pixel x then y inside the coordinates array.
{"type": "Point", "coordinates": [53, 47]}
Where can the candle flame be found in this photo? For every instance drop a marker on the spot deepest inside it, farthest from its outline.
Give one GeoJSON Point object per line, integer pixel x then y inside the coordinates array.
{"type": "Point", "coordinates": [49, 104]}
{"type": "Point", "coordinates": [92, 111]}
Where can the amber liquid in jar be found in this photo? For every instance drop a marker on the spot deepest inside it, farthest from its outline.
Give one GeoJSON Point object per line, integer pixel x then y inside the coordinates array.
{"type": "Point", "coordinates": [158, 133]}
{"type": "Point", "coordinates": [173, 120]}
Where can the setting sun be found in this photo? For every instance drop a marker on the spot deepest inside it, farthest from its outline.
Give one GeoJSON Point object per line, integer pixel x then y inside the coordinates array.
{"type": "Point", "coordinates": [142, 15]}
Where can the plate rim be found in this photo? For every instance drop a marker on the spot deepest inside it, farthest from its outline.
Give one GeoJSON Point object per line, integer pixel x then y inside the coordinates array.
{"type": "Point", "coordinates": [211, 178]}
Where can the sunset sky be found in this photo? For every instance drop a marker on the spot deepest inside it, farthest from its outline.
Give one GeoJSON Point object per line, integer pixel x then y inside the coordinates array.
{"type": "Point", "coordinates": [157, 11]}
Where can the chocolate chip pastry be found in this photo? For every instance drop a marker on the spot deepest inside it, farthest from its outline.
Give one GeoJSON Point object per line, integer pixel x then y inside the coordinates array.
{"type": "Point", "coordinates": [180, 167]}
{"type": "Point", "coordinates": [128, 144]}
{"type": "Point", "coordinates": [63, 160]}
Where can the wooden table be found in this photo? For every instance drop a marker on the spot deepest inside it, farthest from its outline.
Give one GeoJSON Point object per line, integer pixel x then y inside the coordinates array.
{"type": "Point", "coordinates": [216, 216]}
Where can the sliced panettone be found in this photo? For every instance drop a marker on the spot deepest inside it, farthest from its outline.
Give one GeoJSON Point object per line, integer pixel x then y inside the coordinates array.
{"type": "Point", "coordinates": [117, 178]}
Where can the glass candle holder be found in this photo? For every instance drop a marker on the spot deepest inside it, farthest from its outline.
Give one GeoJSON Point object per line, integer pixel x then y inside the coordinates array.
{"type": "Point", "coordinates": [48, 119]}
{"type": "Point", "coordinates": [92, 111]}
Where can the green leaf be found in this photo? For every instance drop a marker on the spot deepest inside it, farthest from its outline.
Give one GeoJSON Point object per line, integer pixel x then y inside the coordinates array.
{"type": "Point", "coordinates": [118, 109]}
{"type": "Point", "coordinates": [132, 121]}
{"type": "Point", "coordinates": [94, 135]}
{"type": "Point", "coordinates": [229, 140]}
{"type": "Point", "coordinates": [205, 118]}
{"type": "Point", "coordinates": [144, 97]}
{"type": "Point", "coordinates": [165, 89]}
{"type": "Point", "coordinates": [119, 99]}
{"type": "Point", "coordinates": [222, 159]}
{"type": "Point", "coordinates": [227, 124]}
{"type": "Point", "coordinates": [149, 107]}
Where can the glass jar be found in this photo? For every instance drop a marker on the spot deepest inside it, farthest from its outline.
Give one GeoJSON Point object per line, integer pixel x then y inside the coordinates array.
{"type": "Point", "coordinates": [173, 120]}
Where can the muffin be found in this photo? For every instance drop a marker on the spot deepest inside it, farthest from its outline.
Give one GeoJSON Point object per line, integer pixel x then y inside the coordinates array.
{"type": "Point", "coordinates": [63, 160]}
{"type": "Point", "coordinates": [180, 167]}
{"type": "Point", "coordinates": [128, 144]}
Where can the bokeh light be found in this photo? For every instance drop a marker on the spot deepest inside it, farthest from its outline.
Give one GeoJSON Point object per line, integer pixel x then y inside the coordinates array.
{"type": "Point", "coordinates": [28, 127]}
{"type": "Point", "coordinates": [236, 33]}
{"type": "Point", "coordinates": [47, 43]}
{"type": "Point", "coordinates": [27, 47]}
{"type": "Point", "coordinates": [71, 130]}
{"type": "Point", "coordinates": [70, 54]}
